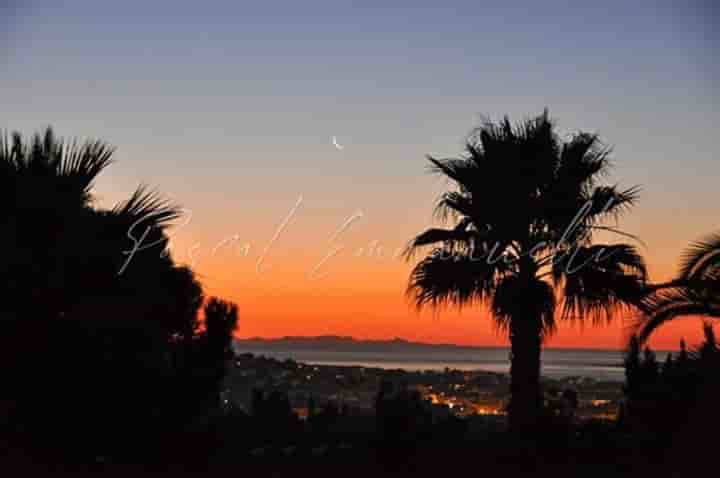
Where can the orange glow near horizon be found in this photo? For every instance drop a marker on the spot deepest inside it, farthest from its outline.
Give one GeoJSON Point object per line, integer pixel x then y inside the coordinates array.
{"type": "Point", "coordinates": [308, 285]}
{"type": "Point", "coordinates": [237, 111]}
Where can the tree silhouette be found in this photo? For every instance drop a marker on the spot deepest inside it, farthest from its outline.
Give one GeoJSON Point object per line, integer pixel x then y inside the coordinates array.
{"type": "Point", "coordinates": [525, 207]}
{"type": "Point", "coordinates": [683, 355]}
{"type": "Point", "coordinates": [647, 390]}
{"type": "Point", "coordinates": [210, 351]}
{"type": "Point", "coordinates": [650, 367]}
{"type": "Point", "coordinates": [115, 328]}
{"type": "Point", "coordinates": [63, 253]}
{"type": "Point", "coordinates": [667, 366]}
{"type": "Point", "coordinates": [401, 414]}
{"type": "Point", "coordinates": [632, 368]}
{"type": "Point", "coordinates": [220, 323]}
{"type": "Point", "coordinates": [709, 348]}
{"type": "Point", "coordinates": [44, 193]}
{"type": "Point", "coordinates": [695, 292]}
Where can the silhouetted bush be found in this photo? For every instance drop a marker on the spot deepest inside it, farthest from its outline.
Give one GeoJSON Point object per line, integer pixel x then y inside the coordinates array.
{"type": "Point", "coordinates": [659, 399]}
{"type": "Point", "coordinates": [101, 347]}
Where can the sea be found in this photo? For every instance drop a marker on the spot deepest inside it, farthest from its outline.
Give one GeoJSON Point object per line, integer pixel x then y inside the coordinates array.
{"type": "Point", "coordinates": [601, 365]}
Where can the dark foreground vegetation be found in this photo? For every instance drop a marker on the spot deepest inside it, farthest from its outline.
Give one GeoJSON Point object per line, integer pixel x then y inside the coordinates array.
{"type": "Point", "coordinates": [113, 359]}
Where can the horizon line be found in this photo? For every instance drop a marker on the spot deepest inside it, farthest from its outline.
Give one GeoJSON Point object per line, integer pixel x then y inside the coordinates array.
{"type": "Point", "coordinates": [431, 344]}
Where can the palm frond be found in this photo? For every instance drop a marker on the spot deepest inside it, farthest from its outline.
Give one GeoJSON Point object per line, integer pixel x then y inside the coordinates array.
{"type": "Point", "coordinates": [599, 280]}
{"type": "Point", "coordinates": [454, 204]}
{"type": "Point", "coordinates": [457, 279]}
{"type": "Point", "coordinates": [582, 160]}
{"type": "Point", "coordinates": [701, 259]}
{"type": "Point", "coordinates": [70, 169]}
{"type": "Point", "coordinates": [673, 303]}
{"type": "Point", "coordinates": [148, 205]}
{"type": "Point", "coordinates": [449, 237]}
{"type": "Point", "coordinates": [609, 201]}
{"type": "Point", "coordinates": [461, 171]}
{"type": "Point", "coordinates": [84, 162]}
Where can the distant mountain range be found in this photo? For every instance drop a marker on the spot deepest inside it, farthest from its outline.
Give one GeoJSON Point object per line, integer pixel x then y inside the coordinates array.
{"type": "Point", "coordinates": [336, 343]}
{"type": "Point", "coordinates": [403, 354]}
{"type": "Point", "coordinates": [339, 343]}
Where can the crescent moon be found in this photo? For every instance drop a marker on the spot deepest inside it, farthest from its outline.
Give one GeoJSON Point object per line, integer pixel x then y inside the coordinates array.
{"type": "Point", "coordinates": [335, 143]}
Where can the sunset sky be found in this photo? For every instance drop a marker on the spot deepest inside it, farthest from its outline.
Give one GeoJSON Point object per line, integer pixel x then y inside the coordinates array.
{"type": "Point", "coordinates": [228, 108]}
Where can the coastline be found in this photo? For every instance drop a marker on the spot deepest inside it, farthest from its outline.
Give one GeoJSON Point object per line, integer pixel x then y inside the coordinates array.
{"type": "Point", "coordinates": [458, 392]}
{"type": "Point", "coordinates": [413, 357]}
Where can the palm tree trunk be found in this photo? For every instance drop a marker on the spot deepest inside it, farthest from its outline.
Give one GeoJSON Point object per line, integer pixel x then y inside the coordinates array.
{"type": "Point", "coordinates": [525, 394]}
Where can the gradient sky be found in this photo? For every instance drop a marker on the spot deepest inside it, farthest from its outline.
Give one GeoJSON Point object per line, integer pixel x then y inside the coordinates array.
{"type": "Point", "coordinates": [228, 109]}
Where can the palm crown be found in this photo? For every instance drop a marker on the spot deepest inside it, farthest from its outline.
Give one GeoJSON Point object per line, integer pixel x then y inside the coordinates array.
{"type": "Point", "coordinates": [525, 208]}
{"type": "Point", "coordinates": [48, 166]}
{"type": "Point", "coordinates": [63, 251]}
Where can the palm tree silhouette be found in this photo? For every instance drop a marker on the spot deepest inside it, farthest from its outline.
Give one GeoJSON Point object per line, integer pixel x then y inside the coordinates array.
{"type": "Point", "coordinates": [62, 292]}
{"type": "Point", "coordinates": [694, 292]}
{"type": "Point", "coordinates": [44, 189]}
{"type": "Point", "coordinates": [60, 250]}
{"type": "Point", "coordinates": [525, 207]}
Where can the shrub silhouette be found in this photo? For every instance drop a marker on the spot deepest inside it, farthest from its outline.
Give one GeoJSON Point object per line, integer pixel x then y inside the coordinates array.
{"type": "Point", "coordinates": [107, 331]}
